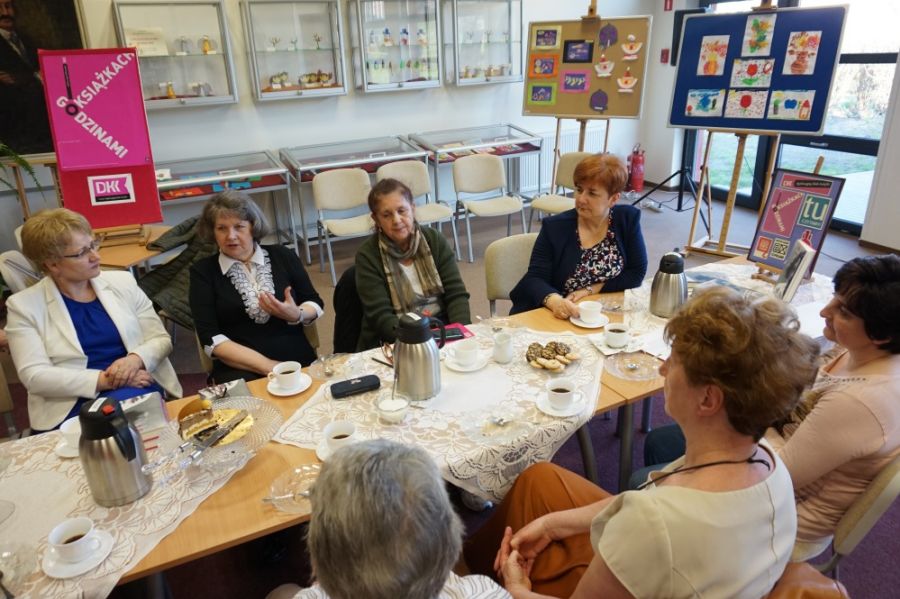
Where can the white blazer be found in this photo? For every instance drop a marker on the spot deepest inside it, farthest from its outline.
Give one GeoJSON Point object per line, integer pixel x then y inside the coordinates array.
{"type": "Point", "coordinates": [49, 358]}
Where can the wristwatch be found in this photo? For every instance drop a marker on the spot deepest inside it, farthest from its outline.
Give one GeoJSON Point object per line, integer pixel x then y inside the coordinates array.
{"type": "Point", "coordinates": [590, 289]}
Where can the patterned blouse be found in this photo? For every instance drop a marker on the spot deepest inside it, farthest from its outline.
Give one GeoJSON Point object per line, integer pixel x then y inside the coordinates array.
{"type": "Point", "coordinates": [598, 264]}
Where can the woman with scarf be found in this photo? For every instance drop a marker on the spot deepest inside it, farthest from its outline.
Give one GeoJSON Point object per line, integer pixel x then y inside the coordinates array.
{"type": "Point", "coordinates": [404, 268]}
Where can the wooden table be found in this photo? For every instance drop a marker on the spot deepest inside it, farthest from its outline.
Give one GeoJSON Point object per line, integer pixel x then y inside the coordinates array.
{"type": "Point", "coordinates": [129, 256]}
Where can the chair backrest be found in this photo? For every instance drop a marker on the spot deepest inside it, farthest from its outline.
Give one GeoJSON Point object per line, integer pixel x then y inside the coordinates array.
{"type": "Point", "coordinates": [348, 313]}
{"type": "Point", "coordinates": [206, 363]}
{"type": "Point", "coordinates": [505, 263]}
{"type": "Point", "coordinates": [17, 271]}
{"type": "Point", "coordinates": [478, 173]}
{"type": "Point", "coordinates": [18, 234]}
{"type": "Point", "coordinates": [565, 170]}
{"type": "Point", "coordinates": [862, 515]}
{"type": "Point", "coordinates": [341, 189]}
{"type": "Point", "coordinates": [412, 173]}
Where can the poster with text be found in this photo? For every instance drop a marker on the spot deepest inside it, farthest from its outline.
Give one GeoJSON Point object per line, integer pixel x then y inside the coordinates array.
{"type": "Point", "coordinates": [100, 134]}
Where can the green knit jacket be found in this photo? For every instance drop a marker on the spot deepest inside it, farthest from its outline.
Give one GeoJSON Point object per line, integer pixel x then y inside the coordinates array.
{"type": "Point", "coordinates": [379, 322]}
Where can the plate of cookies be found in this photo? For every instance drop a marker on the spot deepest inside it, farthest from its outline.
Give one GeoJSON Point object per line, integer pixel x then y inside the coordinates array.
{"type": "Point", "coordinates": [552, 356]}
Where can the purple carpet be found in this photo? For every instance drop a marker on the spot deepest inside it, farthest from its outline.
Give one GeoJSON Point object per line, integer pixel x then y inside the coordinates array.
{"type": "Point", "coordinates": [254, 568]}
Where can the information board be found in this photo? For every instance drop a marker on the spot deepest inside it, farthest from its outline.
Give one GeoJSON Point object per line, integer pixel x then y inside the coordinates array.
{"type": "Point", "coordinates": [589, 68]}
{"type": "Point", "coordinates": [799, 207]}
{"type": "Point", "coordinates": [765, 72]}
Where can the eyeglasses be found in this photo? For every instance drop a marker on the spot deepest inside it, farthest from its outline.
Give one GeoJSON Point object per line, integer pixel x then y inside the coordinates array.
{"type": "Point", "coordinates": [93, 247]}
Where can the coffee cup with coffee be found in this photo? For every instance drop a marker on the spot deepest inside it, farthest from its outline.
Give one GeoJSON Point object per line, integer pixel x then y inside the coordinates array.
{"type": "Point", "coordinates": [617, 335]}
{"type": "Point", "coordinates": [466, 352]}
{"type": "Point", "coordinates": [339, 433]}
{"type": "Point", "coordinates": [560, 393]}
{"type": "Point", "coordinates": [74, 539]}
{"type": "Point", "coordinates": [590, 312]}
{"type": "Point", "coordinates": [286, 374]}
{"type": "Point", "coordinates": [71, 432]}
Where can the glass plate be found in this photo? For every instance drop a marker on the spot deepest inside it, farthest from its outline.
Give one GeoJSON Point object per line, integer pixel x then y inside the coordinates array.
{"type": "Point", "coordinates": [634, 366]}
{"type": "Point", "coordinates": [497, 428]}
{"type": "Point", "coordinates": [285, 490]}
{"type": "Point", "coordinates": [17, 562]}
{"type": "Point", "coordinates": [329, 367]}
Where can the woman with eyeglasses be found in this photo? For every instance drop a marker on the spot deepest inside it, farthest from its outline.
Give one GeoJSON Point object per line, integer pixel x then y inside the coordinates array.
{"type": "Point", "coordinates": [80, 333]}
{"type": "Point", "coordinates": [718, 522]}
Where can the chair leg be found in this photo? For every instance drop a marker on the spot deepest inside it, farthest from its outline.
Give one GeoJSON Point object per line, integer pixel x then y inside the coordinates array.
{"type": "Point", "coordinates": [469, 237]}
{"type": "Point", "coordinates": [530, 219]}
{"type": "Point", "coordinates": [319, 229]}
{"type": "Point", "coordinates": [455, 237]}
{"type": "Point", "coordinates": [646, 413]}
{"type": "Point", "coordinates": [493, 307]}
{"type": "Point", "coordinates": [508, 225]}
{"type": "Point", "coordinates": [522, 214]}
{"type": "Point", "coordinates": [330, 259]}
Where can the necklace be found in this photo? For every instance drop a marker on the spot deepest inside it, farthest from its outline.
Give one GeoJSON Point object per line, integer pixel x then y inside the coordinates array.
{"type": "Point", "coordinates": [749, 460]}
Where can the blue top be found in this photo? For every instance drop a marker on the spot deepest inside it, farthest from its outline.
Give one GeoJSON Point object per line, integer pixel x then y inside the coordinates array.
{"type": "Point", "coordinates": [102, 344]}
{"type": "Point", "coordinates": [557, 253]}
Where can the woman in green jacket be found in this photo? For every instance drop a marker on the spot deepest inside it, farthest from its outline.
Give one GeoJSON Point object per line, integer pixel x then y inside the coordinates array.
{"type": "Point", "coordinates": [403, 268]}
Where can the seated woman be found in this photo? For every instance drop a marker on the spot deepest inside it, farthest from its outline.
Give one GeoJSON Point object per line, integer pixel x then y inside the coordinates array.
{"type": "Point", "coordinates": [382, 527]}
{"type": "Point", "coordinates": [81, 332]}
{"type": "Point", "coordinates": [596, 247]}
{"type": "Point", "coordinates": [847, 428]}
{"type": "Point", "coordinates": [234, 295]}
{"type": "Point", "coordinates": [404, 268]}
{"type": "Point", "coordinates": [720, 522]}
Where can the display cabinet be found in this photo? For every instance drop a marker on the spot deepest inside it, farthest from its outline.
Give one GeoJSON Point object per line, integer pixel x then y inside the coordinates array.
{"type": "Point", "coordinates": [305, 162]}
{"type": "Point", "coordinates": [482, 41]}
{"type": "Point", "coordinates": [295, 48]}
{"type": "Point", "coordinates": [196, 180]}
{"type": "Point", "coordinates": [395, 44]}
{"type": "Point", "coordinates": [504, 140]}
{"type": "Point", "coordinates": [183, 48]}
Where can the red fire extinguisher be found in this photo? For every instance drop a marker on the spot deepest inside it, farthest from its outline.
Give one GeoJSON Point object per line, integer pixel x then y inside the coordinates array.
{"type": "Point", "coordinates": [636, 169]}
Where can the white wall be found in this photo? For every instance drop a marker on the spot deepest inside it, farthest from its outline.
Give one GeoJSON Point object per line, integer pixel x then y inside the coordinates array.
{"type": "Point", "coordinates": [883, 214]}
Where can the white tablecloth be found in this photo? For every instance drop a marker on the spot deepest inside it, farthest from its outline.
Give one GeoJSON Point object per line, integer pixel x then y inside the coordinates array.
{"type": "Point", "coordinates": [47, 489]}
{"type": "Point", "coordinates": [448, 427]}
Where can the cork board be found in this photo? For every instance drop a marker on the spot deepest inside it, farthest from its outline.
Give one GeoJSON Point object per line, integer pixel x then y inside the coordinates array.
{"type": "Point", "coordinates": [589, 68]}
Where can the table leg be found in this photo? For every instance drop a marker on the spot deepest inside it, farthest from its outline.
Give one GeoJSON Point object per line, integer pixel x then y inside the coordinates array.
{"type": "Point", "coordinates": [626, 441]}
{"type": "Point", "coordinates": [587, 453]}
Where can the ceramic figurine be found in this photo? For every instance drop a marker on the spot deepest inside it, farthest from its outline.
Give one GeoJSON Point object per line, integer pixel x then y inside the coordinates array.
{"type": "Point", "coordinates": [318, 39]}
{"type": "Point", "coordinates": [388, 40]}
{"type": "Point", "coordinates": [205, 44]}
{"type": "Point", "coordinates": [421, 38]}
{"type": "Point", "coordinates": [170, 90]}
{"type": "Point", "coordinates": [294, 44]}
{"type": "Point", "coordinates": [470, 37]}
{"type": "Point", "coordinates": [486, 37]}
{"type": "Point", "coordinates": [185, 44]}
{"type": "Point", "coordinates": [274, 41]}
{"type": "Point", "coordinates": [404, 37]}
{"type": "Point", "coordinates": [372, 38]}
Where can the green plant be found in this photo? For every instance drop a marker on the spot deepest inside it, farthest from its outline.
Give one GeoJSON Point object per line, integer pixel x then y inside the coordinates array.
{"type": "Point", "coordinates": [7, 156]}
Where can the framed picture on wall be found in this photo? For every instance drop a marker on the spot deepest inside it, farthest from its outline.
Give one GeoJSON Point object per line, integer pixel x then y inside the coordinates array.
{"type": "Point", "coordinates": [27, 26]}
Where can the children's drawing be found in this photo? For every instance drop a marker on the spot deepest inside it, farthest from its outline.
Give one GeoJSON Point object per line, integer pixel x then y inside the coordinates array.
{"type": "Point", "coordinates": [705, 102]}
{"type": "Point", "coordinates": [752, 72]}
{"type": "Point", "coordinates": [627, 82]}
{"type": "Point", "coordinates": [599, 101]}
{"type": "Point", "coordinates": [604, 66]}
{"type": "Point", "coordinates": [546, 38]}
{"type": "Point", "coordinates": [800, 58]}
{"type": "Point", "coordinates": [791, 104]}
{"type": "Point", "coordinates": [746, 104]}
{"type": "Point", "coordinates": [608, 36]}
{"type": "Point", "coordinates": [575, 82]}
{"type": "Point", "coordinates": [542, 94]}
{"type": "Point", "coordinates": [713, 49]}
{"type": "Point", "coordinates": [543, 65]}
{"type": "Point", "coordinates": [578, 51]}
{"type": "Point", "coordinates": [631, 47]}
{"type": "Point", "coordinates": [758, 35]}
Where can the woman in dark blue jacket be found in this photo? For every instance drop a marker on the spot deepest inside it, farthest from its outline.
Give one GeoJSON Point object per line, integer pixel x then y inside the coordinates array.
{"type": "Point", "coordinates": [597, 246]}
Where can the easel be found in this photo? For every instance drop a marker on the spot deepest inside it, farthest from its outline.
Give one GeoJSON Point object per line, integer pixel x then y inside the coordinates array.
{"type": "Point", "coordinates": [123, 235]}
{"type": "Point", "coordinates": [47, 160]}
{"type": "Point", "coordinates": [582, 134]}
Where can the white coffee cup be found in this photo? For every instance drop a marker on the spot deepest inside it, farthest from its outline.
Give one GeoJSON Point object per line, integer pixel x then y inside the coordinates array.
{"type": "Point", "coordinates": [560, 392]}
{"type": "Point", "coordinates": [286, 374]}
{"type": "Point", "coordinates": [74, 540]}
{"type": "Point", "coordinates": [465, 352]}
{"type": "Point", "coordinates": [617, 335]}
{"type": "Point", "coordinates": [71, 431]}
{"type": "Point", "coordinates": [339, 433]}
{"type": "Point", "coordinates": [590, 311]}
{"type": "Point", "coordinates": [503, 348]}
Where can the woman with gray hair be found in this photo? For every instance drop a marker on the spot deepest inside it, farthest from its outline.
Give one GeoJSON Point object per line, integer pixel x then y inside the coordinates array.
{"type": "Point", "coordinates": [234, 295]}
{"type": "Point", "coordinates": [382, 527]}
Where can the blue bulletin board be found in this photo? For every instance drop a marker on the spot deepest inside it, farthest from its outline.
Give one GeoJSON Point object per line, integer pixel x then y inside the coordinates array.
{"type": "Point", "coordinates": [761, 72]}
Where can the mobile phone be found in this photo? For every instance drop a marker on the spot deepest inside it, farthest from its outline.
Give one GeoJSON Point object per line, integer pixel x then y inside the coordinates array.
{"type": "Point", "coordinates": [451, 334]}
{"type": "Point", "coordinates": [354, 386]}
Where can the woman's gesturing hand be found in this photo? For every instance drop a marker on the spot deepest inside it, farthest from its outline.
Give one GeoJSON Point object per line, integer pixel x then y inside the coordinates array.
{"type": "Point", "coordinates": [285, 310]}
{"type": "Point", "coordinates": [516, 572]}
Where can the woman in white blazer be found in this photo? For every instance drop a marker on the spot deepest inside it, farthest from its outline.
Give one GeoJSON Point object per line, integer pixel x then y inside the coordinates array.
{"type": "Point", "coordinates": [79, 332]}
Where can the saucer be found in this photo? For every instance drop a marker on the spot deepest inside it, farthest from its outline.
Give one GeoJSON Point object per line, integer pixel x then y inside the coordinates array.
{"type": "Point", "coordinates": [599, 341]}
{"type": "Point", "coordinates": [56, 568]}
{"type": "Point", "coordinates": [64, 450]}
{"type": "Point", "coordinates": [594, 325]}
{"type": "Point", "coordinates": [322, 451]}
{"type": "Point", "coordinates": [577, 405]}
{"type": "Point", "coordinates": [275, 389]}
{"type": "Point", "coordinates": [478, 364]}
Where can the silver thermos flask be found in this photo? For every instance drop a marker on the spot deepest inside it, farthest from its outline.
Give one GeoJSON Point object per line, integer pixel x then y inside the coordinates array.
{"type": "Point", "coordinates": [112, 454]}
{"type": "Point", "coordinates": [669, 290]}
{"type": "Point", "coordinates": [417, 361]}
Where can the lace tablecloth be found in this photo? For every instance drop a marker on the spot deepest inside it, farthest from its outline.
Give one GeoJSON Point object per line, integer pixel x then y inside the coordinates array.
{"type": "Point", "coordinates": [47, 489]}
{"type": "Point", "coordinates": [451, 426]}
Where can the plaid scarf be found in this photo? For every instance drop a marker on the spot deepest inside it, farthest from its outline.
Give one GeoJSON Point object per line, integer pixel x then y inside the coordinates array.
{"type": "Point", "coordinates": [403, 299]}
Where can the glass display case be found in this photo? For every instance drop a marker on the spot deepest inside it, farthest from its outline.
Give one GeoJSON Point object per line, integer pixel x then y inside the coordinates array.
{"type": "Point", "coordinates": [395, 44]}
{"type": "Point", "coordinates": [503, 140]}
{"type": "Point", "coordinates": [295, 48]}
{"type": "Point", "coordinates": [305, 162]}
{"type": "Point", "coordinates": [482, 41]}
{"type": "Point", "coordinates": [196, 180]}
{"type": "Point", "coordinates": [183, 48]}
